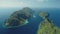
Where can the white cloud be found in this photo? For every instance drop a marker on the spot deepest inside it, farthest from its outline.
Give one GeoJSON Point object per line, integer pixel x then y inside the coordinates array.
{"type": "Point", "coordinates": [42, 0]}
{"type": "Point", "coordinates": [21, 3]}
{"type": "Point", "coordinates": [12, 4]}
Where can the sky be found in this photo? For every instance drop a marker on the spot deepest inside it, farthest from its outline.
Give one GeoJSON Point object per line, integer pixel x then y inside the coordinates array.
{"type": "Point", "coordinates": [30, 3]}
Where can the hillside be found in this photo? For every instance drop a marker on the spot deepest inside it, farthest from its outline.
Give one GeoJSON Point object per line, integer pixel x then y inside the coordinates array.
{"type": "Point", "coordinates": [47, 26]}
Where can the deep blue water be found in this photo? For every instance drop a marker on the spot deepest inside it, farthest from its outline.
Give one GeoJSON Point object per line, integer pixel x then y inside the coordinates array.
{"type": "Point", "coordinates": [32, 26]}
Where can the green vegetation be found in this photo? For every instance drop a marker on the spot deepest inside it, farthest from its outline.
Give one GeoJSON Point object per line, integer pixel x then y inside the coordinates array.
{"type": "Point", "coordinates": [19, 18]}
{"type": "Point", "coordinates": [47, 26]}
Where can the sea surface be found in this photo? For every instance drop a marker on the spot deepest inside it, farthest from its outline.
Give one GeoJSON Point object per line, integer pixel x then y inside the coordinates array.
{"type": "Point", "coordinates": [32, 26]}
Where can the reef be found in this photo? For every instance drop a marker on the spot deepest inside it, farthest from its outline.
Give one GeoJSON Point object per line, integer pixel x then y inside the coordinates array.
{"type": "Point", "coordinates": [19, 18]}
{"type": "Point", "coordinates": [47, 26]}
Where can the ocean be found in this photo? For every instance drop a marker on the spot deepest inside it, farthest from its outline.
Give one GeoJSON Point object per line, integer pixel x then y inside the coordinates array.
{"type": "Point", "coordinates": [32, 26]}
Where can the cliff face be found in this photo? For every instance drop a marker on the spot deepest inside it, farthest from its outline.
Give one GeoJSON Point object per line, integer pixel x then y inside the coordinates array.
{"type": "Point", "coordinates": [19, 18]}
{"type": "Point", "coordinates": [47, 26]}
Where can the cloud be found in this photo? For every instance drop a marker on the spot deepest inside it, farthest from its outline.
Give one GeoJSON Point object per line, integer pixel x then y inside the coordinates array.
{"type": "Point", "coordinates": [21, 3]}
{"type": "Point", "coordinates": [42, 0]}
{"type": "Point", "coordinates": [12, 4]}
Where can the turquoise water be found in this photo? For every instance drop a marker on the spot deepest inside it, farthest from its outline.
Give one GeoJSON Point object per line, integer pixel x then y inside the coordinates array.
{"type": "Point", "coordinates": [32, 26]}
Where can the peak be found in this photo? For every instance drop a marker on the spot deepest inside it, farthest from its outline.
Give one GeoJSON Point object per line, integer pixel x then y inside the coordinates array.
{"type": "Point", "coordinates": [27, 8]}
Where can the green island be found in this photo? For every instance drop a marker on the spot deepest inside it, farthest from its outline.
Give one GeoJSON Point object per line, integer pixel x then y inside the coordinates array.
{"type": "Point", "coordinates": [19, 18]}
{"type": "Point", "coordinates": [47, 26]}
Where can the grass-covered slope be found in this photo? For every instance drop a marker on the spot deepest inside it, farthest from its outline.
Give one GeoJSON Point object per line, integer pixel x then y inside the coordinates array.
{"type": "Point", "coordinates": [47, 26]}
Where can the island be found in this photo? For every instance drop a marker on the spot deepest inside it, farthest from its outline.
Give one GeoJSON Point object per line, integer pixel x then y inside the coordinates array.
{"type": "Point", "coordinates": [47, 26]}
{"type": "Point", "coordinates": [19, 18]}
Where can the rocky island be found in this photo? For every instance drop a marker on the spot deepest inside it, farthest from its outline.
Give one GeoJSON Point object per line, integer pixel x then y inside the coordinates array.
{"type": "Point", "coordinates": [19, 18]}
